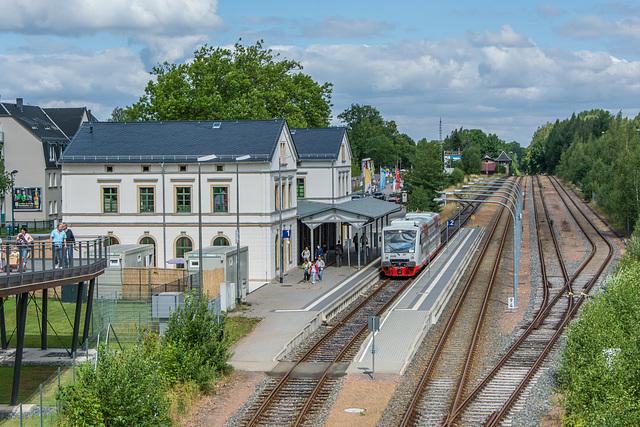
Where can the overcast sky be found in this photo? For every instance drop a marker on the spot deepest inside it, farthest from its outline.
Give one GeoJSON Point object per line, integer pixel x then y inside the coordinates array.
{"type": "Point", "coordinates": [506, 67]}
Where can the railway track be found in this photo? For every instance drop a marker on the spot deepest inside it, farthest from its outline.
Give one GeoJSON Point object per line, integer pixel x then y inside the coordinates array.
{"type": "Point", "coordinates": [503, 391]}
{"type": "Point", "coordinates": [437, 389]}
{"type": "Point", "coordinates": [296, 398]}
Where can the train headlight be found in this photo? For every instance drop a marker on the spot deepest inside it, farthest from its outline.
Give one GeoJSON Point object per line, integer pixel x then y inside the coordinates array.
{"type": "Point", "coordinates": [386, 263]}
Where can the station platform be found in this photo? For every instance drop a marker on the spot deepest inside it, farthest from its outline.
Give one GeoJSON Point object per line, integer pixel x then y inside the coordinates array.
{"type": "Point", "coordinates": [404, 326]}
{"type": "Point", "coordinates": [292, 310]}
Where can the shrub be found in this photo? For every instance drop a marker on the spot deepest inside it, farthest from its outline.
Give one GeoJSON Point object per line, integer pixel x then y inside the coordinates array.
{"type": "Point", "coordinates": [601, 363]}
{"type": "Point", "coordinates": [124, 389]}
{"type": "Point", "coordinates": [194, 348]}
{"type": "Point", "coordinates": [457, 176]}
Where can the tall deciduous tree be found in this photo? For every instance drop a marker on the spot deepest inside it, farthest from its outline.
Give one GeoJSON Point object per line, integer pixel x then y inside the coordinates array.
{"type": "Point", "coordinates": [246, 82]}
{"type": "Point", "coordinates": [373, 136]}
{"type": "Point", "coordinates": [424, 179]}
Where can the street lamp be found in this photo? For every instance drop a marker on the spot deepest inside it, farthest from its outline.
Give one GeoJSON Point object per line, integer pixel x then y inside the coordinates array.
{"type": "Point", "coordinates": [200, 160]}
{"type": "Point", "coordinates": [238, 290]}
{"type": "Point", "coordinates": [13, 201]}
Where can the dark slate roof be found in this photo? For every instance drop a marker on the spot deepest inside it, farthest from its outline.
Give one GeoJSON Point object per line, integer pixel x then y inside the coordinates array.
{"type": "Point", "coordinates": [318, 143]}
{"type": "Point", "coordinates": [67, 119]}
{"type": "Point", "coordinates": [34, 120]}
{"type": "Point", "coordinates": [503, 158]}
{"type": "Point", "coordinates": [368, 206]}
{"type": "Point", "coordinates": [174, 141]}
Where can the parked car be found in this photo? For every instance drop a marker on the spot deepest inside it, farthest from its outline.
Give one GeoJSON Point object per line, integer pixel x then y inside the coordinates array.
{"type": "Point", "coordinates": [356, 196]}
{"type": "Point", "coordinates": [378, 195]}
{"type": "Point", "coordinates": [394, 197]}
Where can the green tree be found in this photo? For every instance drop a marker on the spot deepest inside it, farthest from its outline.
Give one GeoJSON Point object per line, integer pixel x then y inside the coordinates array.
{"type": "Point", "coordinates": [117, 115]}
{"type": "Point", "coordinates": [246, 82]}
{"type": "Point", "coordinates": [373, 136]}
{"type": "Point", "coordinates": [472, 160]}
{"type": "Point", "coordinates": [424, 179]}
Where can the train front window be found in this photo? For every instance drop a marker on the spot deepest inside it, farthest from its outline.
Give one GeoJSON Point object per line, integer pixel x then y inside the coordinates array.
{"type": "Point", "coordinates": [396, 241]}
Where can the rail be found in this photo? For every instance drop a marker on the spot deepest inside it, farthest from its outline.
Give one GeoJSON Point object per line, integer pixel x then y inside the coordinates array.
{"type": "Point", "coordinates": [41, 265]}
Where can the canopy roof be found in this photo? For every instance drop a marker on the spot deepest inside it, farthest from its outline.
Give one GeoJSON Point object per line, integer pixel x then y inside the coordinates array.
{"type": "Point", "coordinates": [358, 213]}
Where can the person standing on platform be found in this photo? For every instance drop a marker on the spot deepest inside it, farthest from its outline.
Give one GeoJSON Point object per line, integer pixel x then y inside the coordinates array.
{"type": "Point", "coordinates": [306, 254]}
{"type": "Point", "coordinates": [355, 242]}
{"type": "Point", "coordinates": [24, 239]}
{"type": "Point", "coordinates": [58, 239]}
{"type": "Point", "coordinates": [71, 239]}
{"type": "Point", "coordinates": [306, 267]}
{"type": "Point", "coordinates": [318, 253]}
{"type": "Point", "coordinates": [339, 251]}
{"type": "Point", "coordinates": [314, 271]}
{"type": "Point", "coordinates": [320, 267]}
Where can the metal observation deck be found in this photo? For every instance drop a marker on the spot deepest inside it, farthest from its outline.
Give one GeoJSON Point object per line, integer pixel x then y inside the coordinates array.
{"type": "Point", "coordinates": [40, 266]}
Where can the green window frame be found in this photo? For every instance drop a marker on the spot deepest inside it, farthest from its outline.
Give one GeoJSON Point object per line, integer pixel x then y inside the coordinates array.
{"type": "Point", "coordinates": [183, 245]}
{"type": "Point", "coordinates": [300, 187]}
{"type": "Point", "coordinates": [220, 199]}
{"type": "Point", "coordinates": [183, 199]}
{"type": "Point", "coordinates": [147, 200]}
{"type": "Point", "coordinates": [110, 199]}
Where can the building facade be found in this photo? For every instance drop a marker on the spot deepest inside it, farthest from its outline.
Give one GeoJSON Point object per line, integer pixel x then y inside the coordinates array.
{"type": "Point", "coordinates": [141, 182]}
{"type": "Point", "coordinates": [33, 138]}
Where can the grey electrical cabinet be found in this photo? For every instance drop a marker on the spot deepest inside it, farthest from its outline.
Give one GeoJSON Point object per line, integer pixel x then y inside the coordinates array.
{"type": "Point", "coordinates": [163, 304]}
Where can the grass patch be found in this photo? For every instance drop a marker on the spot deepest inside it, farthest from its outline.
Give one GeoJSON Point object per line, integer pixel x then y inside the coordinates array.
{"type": "Point", "coordinates": [239, 326]}
{"type": "Point", "coordinates": [60, 318]}
{"type": "Point", "coordinates": [30, 379]}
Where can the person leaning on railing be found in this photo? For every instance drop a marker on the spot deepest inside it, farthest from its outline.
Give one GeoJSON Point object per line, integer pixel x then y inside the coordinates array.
{"type": "Point", "coordinates": [58, 239]}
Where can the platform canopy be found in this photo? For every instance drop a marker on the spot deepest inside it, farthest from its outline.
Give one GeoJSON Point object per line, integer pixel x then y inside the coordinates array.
{"type": "Point", "coordinates": [358, 213]}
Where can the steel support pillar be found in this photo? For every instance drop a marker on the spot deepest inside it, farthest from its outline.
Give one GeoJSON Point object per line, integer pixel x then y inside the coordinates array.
{"type": "Point", "coordinates": [21, 319]}
{"type": "Point", "coordinates": [76, 321]}
{"type": "Point", "coordinates": [43, 334]}
{"type": "Point", "coordinates": [88, 312]}
{"type": "Point", "coordinates": [3, 327]}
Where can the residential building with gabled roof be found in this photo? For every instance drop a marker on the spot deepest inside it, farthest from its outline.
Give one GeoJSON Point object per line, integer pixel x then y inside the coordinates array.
{"type": "Point", "coordinates": [33, 138]}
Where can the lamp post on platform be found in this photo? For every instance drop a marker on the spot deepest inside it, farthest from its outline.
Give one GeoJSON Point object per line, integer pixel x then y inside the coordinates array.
{"type": "Point", "coordinates": [200, 160]}
{"type": "Point", "coordinates": [238, 285]}
{"type": "Point", "coordinates": [13, 201]}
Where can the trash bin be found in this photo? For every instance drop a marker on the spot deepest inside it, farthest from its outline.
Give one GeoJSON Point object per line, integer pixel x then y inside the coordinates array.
{"type": "Point", "coordinates": [8, 230]}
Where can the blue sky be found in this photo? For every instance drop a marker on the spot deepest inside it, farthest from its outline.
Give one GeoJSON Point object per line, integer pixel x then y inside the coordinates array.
{"type": "Point", "coordinates": [504, 67]}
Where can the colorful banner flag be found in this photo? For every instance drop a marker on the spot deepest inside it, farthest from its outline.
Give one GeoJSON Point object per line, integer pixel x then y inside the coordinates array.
{"type": "Point", "coordinates": [383, 177]}
{"type": "Point", "coordinates": [397, 179]}
{"type": "Point", "coordinates": [367, 170]}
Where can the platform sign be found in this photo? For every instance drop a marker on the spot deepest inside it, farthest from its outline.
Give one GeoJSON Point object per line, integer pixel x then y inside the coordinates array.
{"type": "Point", "coordinates": [512, 303]}
{"type": "Point", "coordinates": [286, 234]}
{"type": "Point", "coordinates": [451, 222]}
{"type": "Point", "coordinates": [374, 323]}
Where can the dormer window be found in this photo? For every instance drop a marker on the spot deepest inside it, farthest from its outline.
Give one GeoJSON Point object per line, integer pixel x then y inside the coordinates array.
{"type": "Point", "coordinates": [146, 168]}
{"type": "Point", "coordinates": [52, 153]}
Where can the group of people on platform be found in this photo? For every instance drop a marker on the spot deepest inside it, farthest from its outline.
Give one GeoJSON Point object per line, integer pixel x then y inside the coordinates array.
{"type": "Point", "coordinates": [313, 268]}
{"type": "Point", "coordinates": [61, 239]}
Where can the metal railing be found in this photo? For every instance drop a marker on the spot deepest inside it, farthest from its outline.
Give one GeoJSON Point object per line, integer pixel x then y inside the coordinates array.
{"type": "Point", "coordinates": [42, 261]}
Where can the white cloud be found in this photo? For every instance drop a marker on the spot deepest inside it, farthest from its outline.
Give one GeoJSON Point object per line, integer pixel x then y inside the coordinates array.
{"type": "Point", "coordinates": [595, 27]}
{"type": "Point", "coordinates": [500, 82]}
{"type": "Point", "coordinates": [81, 17]}
{"type": "Point", "coordinates": [99, 80]}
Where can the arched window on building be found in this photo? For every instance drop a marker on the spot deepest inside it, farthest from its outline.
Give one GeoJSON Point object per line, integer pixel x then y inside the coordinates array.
{"type": "Point", "coordinates": [220, 241]}
{"type": "Point", "coordinates": [183, 245]}
{"type": "Point", "coordinates": [148, 240]}
{"type": "Point", "coordinates": [113, 240]}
